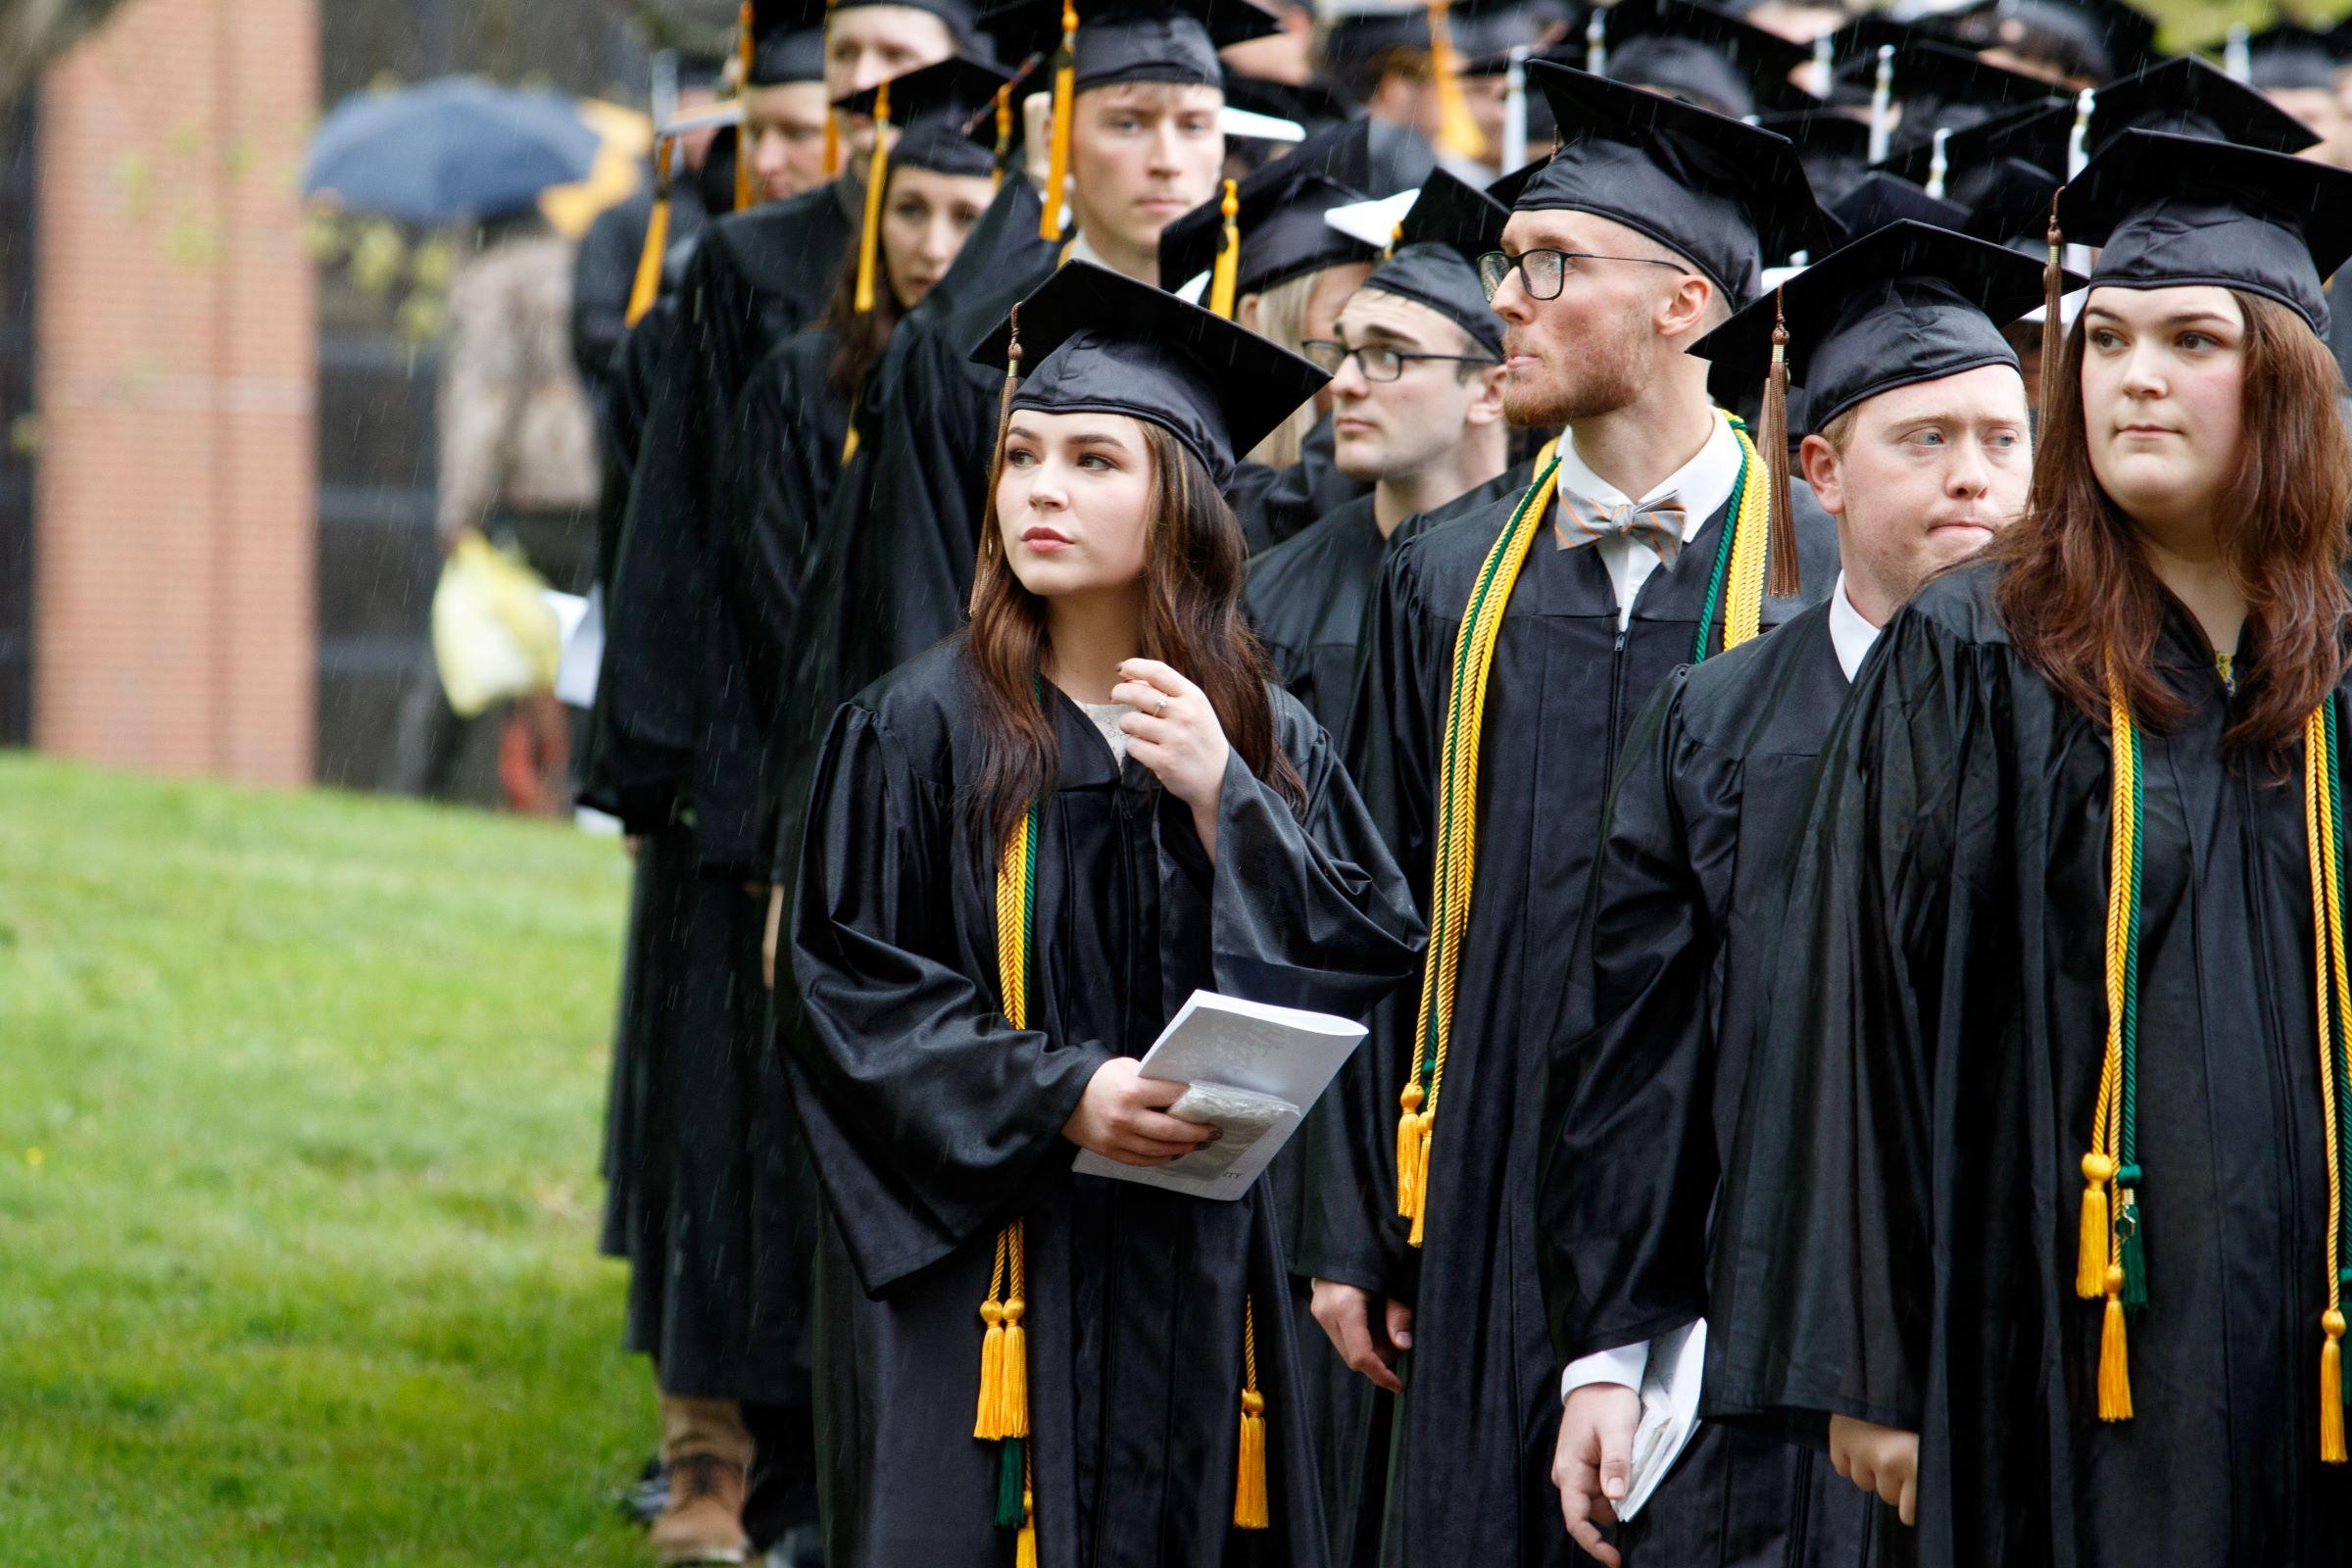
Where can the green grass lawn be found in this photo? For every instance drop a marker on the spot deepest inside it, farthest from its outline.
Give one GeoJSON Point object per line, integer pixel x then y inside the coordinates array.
{"type": "Point", "coordinates": [300, 1105]}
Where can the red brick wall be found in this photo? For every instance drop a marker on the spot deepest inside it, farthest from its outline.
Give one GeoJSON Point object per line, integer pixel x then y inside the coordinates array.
{"type": "Point", "coordinates": [175, 597]}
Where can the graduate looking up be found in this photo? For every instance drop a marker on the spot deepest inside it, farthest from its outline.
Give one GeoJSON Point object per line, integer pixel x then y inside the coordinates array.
{"type": "Point", "coordinates": [1643, 545]}
{"type": "Point", "coordinates": [2034, 1210]}
{"type": "Point", "coordinates": [1026, 847]}
{"type": "Point", "coordinates": [1415, 357]}
{"type": "Point", "coordinates": [1921, 451]}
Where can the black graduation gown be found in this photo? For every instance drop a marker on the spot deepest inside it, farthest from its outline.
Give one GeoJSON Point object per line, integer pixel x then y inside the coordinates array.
{"type": "Point", "coordinates": [603, 273]}
{"type": "Point", "coordinates": [1275, 505]}
{"type": "Point", "coordinates": [1899, 1216]}
{"type": "Point", "coordinates": [1469, 1478]}
{"type": "Point", "coordinates": [933, 1123]}
{"type": "Point", "coordinates": [1650, 1060]}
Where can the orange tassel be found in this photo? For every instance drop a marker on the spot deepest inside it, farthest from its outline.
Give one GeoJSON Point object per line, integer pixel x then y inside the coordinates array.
{"type": "Point", "coordinates": [1057, 152]}
{"type": "Point", "coordinates": [1249, 1511]}
{"type": "Point", "coordinates": [2331, 1389]}
{"type": "Point", "coordinates": [2115, 1372]}
{"type": "Point", "coordinates": [746, 46]}
{"type": "Point", "coordinates": [1782, 579]}
{"type": "Point", "coordinates": [870, 231]}
{"type": "Point", "coordinates": [1457, 129]}
{"type": "Point", "coordinates": [1024, 1545]}
{"type": "Point", "coordinates": [646, 286]}
{"type": "Point", "coordinates": [2091, 1248]}
{"type": "Point", "coordinates": [2053, 328]}
{"type": "Point", "coordinates": [1408, 1145]}
{"type": "Point", "coordinates": [1225, 276]}
{"type": "Point", "coordinates": [1424, 1125]}
{"type": "Point", "coordinates": [1016, 1407]}
{"type": "Point", "coordinates": [988, 1422]}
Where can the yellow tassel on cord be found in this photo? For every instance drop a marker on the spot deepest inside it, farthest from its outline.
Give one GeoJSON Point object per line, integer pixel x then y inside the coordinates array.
{"type": "Point", "coordinates": [878, 174]}
{"type": "Point", "coordinates": [2090, 1257]}
{"type": "Point", "coordinates": [1024, 1545]}
{"type": "Point", "coordinates": [1016, 1407]}
{"type": "Point", "coordinates": [1065, 89]}
{"type": "Point", "coordinates": [1224, 277]}
{"type": "Point", "coordinates": [647, 286]}
{"type": "Point", "coordinates": [1457, 132]}
{"type": "Point", "coordinates": [988, 1421]}
{"type": "Point", "coordinates": [1003, 135]}
{"type": "Point", "coordinates": [1409, 1169]}
{"type": "Point", "coordinates": [746, 46]}
{"type": "Point", "coordinates": [2115, 1372]}
{"type": "Point", "coordinates": [2331, 1389]}
{"type": "Point", "coordinates": [832, 144]}
{"type": "Point", "coordinates": [1250, 1482]}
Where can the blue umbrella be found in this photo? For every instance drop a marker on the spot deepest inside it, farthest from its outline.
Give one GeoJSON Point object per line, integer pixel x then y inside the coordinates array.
{"type": "Point", "coordinates": [455, 147]}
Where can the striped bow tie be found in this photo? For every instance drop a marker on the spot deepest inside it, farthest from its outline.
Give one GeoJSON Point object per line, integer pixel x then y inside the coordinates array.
{"type": "Point", "coordinates": [1656, 523]}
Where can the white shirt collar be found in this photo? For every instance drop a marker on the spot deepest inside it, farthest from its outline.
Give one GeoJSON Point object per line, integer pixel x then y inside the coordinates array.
{"type": "Point", "coordinates": [1702, 485]}
{"type": "Point", "coordinates": [1849, 634]}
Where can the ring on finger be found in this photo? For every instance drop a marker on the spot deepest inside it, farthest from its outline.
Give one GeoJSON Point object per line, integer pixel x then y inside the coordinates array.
{"type": "Point", "coordinates": [1160, 707]}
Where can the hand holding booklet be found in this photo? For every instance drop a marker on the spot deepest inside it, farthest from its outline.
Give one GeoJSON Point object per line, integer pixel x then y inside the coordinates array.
{"type": "Point", "coordinates": [1250, 1068]}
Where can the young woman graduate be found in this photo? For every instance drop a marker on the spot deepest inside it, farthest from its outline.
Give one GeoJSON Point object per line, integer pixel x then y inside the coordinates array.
{"type": "Point", "coordinates": [1026, 847]}
{"type": "Point", "coordinates": [2038, 1198]}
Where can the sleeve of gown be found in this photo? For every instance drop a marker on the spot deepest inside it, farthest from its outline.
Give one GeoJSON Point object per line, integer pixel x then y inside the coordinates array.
{"type": "Point", "coordinates": [1628, 1153]}
{"type": "Point", "coordinates": [927, 1113]}
{"type": "Point", "coordinates": [1825, 1273]}
{"type": "Point", "coordinates": [1348, 1230]}
{"type": "Point", "coordinates": [1305, 910]}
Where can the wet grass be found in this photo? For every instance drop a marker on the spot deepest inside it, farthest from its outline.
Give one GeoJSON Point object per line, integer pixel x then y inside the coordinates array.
{"type": "Point", "coordinates": [300, 1102]}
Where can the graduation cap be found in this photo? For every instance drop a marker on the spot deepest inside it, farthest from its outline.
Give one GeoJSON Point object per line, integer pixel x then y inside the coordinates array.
{"type": "Point", "coordinates": [2288, 58]}
{"type": "Point", "coordinates": [1701, 53]}
{"type": "Point", "coordinates": [1936, 85]}
{"type": "Point", "coordinates": [1268, 228]}
{"type": "Point", "coordinates": [1358, 36]}
{"type": "Point", "coordinates": [2079, 41]}
{"type": "Point", "coordinates": [2172, 210]}
{"type": "Point", "coordinates": [1119, 41]}
{"type": "Point", "coordinates": [1723, 195]}
{"type": "Point", "coordinates": [810, 15]}
{"type": "Point", "coordinates": [1435, 260]}
{"type": "Point", "coordinates": [2192, 97]}
{"type": "Point", "coordinates": [2041, 136]}
{"type": "Point", "coordinates": [2012, 205]}
{"type": "Point", "coordinates": [935, 109]}
{"type": "Point", "coordinates": [1094, 340]}
{"type": "Point", "coordinates": [646, 286]}
{"type": "Point", "coordinates": [1832, 145]}
{"type": "Point", "coordinates": [1878, 199]}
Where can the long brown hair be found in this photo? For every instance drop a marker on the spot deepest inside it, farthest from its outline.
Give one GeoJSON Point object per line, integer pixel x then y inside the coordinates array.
{"type": "Point", "coordinates": [1194, 560]}
{"type": "Point", "coordinates": [2078, 589]}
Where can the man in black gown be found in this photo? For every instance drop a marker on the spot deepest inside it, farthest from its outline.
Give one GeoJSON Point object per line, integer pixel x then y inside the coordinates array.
{"type": "Point", "coordinates": [1921, 451]}
{"type": "Point", "coordinates": [1638, 235]}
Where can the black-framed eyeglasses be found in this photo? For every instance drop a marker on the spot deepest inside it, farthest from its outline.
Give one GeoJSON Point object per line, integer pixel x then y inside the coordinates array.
{"type": "Point", "coordinates": [1378, 361]}
{"type": "Point", "coordinates": [1541, 273]}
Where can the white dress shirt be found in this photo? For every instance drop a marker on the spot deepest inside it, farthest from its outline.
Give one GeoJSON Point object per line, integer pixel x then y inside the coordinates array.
{"type": "Point", "coordinates": [1701, 486]}
{"type": "Point", "coordinates": [1851, 637]}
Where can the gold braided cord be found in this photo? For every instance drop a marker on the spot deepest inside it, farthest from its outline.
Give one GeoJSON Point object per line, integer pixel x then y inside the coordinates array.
{"type": "Point", "coordinates": [1004, 1404]}
{"type": "Point", "coordinates": [2335, 1012]}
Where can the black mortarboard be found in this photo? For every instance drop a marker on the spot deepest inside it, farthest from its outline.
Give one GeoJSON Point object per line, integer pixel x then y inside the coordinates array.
{"type": "Point", "coordinates": [1832, 146]}
{"type": "Point", "coordinates": [2012, 205]}
{"type": "Point", "coordinates": [1701, 53]}
{"type": "Point", "coordinates": [2190, 97]}
{"type": "Point", "coordinates": [2173, 211]}
{"type": "Point", "coordinates": [943, 112]}
{"type": "Point", "coordinates": [2287, 57]}
{"type": "Point", "coordinates": [1279, 216]}
{"type": "Point", "coordinates": [694, 69]}
{"type": "Point", "coordinates": [1132, 40]}
{"type": "Point", "coordinates": [1909, 303]}
{"type": "Point", "coordinates": [782, 58]}
{"type": "Point", "coordinates": [811, 15]}
{"type": "Point", "coordinates": [2088, 40]}
{"type": "Point", "coordinates": [1315, 106]}
{"type": "Point", "coordinates": [1450, 226]}
{"type": "Point", "coordinates": [1937, 84]}
{"type": "Point", "coordinates": [2035, 135]}
{"type": "Point", "coordinates": [1878, 199]}
{"type": "Point", "coordinates": [1724, 195]}
{"type": "Point", "coordinates": [1356, 32]}
{"type": "Point", "coordinates": [1094, 340]}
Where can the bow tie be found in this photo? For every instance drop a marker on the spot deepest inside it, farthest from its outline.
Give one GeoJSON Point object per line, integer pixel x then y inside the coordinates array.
{"type": "Point", "coordinates": [1656, 523]}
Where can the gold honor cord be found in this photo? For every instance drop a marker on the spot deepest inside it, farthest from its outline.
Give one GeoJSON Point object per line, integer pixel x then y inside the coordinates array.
{"type": "Point", "coordinates": [2109, 1259]}
{"type": "Point", "coordinates": [1736, 583]}
{"type": "Point", "coordinates": [1002, 1416]}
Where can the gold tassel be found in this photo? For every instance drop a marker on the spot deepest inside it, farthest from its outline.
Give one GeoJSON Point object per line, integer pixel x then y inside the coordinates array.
{"type": "Point", "coordinates": [2332, 1389]}
{"type": "Point", "coordinates": [2115, 1372]}
{"type": "Point", "coordinates": [1223, 279]}
{"type": "Point", "coordinates": [1024, 1545]}
{"type": "Point", "coordinates": [1408, 1145]}
{"type": "Point", "coordinates": [1250, 1482]}
{"type": "Point", "coordinates": [647, 286]}
{"type": "Point", "coordinates": [988, 1421]}
{"type": "Point", "coordinates": [2053, 329]}
{"type": "Point", "coordinates": [832, 145]}
{"type": "Point", "coordinates": [878, 174]}
{"type": "Point", "coordinates": [2093, 1245]}
{"type": "Point", "coordinates": [1780, 578]}
{"type": "Point", "coordinates": [1016, 1406]}
{"type": "Point", "coordinates": [1425, 1126]}
{"type": "Point", "coordinates": [745, 47]}
{"type": "Point", "coordinates": [1457, 132]}
{"type": "Point", "coordinates": [1003, 135]}
{"type": "Point", "coordinates": [1065, 89]}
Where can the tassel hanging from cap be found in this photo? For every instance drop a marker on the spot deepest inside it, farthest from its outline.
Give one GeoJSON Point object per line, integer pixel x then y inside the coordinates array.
{"type": "Point", "coordinates": [1003, 135]}
{"type": "Point", "coordinates": [878, 174]}
{"type": "Point", "coordinates": [1065, 91]}
{"type": "Point", "coordinates": [1457, 130]}
{"type": "Point", "coordinates": [645, 288]}
{"type": "Point", "coordinates": [1249, 1508]}
{"type": "Point", "coordinates": [2053, 326]}
{"type": "Point", "coordinates": [746, 46]}
{"type": "Point", "coordinates": [1226, 275]}
{"type": "Point", "coordinates": [1783, 580]}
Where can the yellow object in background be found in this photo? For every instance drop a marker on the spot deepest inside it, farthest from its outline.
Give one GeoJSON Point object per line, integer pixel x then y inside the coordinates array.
{"type": "Point", "coordinates": [495, 636]}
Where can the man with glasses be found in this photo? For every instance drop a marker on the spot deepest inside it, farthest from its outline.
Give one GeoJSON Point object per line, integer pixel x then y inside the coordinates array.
{"type": "Point", "coordinates": [1415, 357]}
{"type": "Point", "coordinates": [1555, 614]}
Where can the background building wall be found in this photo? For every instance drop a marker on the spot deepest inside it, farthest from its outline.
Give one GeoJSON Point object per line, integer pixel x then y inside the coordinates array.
{"type": "Point", "coordinates": [175, 580]}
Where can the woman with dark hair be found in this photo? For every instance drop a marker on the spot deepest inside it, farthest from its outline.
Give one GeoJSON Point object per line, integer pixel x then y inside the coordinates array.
{"type": "Point", "coordinates": [1026, 847]}
{"type": "Point", "coordinates": [2037, 1210]}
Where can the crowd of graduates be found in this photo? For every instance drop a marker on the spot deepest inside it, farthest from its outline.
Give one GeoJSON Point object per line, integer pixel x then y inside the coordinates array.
{"type": "Point", "coordinates": [1758, 589]}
